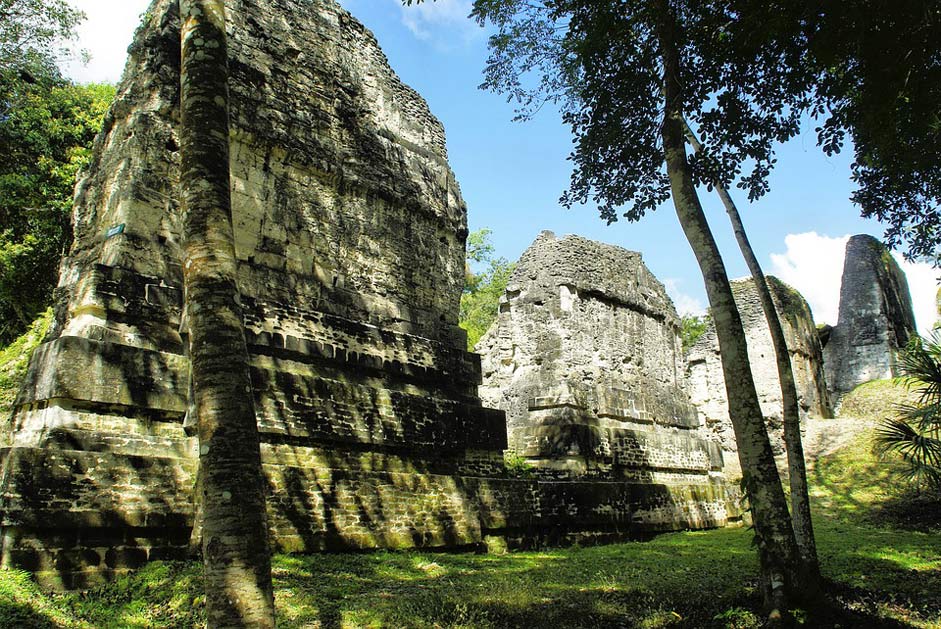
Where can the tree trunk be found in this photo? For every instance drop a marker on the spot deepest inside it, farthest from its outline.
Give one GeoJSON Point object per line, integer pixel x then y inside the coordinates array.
{"type": "Point", "coordinates": [235, 538]}
{"type": "Point", "coordinates": [797, 470]}
{"type": "Point", "coordinates": [777, 549]}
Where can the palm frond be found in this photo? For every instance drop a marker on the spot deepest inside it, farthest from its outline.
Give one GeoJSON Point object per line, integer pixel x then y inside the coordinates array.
{"type": "Point", "coordinates": [924, 418]}
{"type": "Point", "coordinates": [920, 364]}
{"type": "Point", "coordinates": [920, 452]}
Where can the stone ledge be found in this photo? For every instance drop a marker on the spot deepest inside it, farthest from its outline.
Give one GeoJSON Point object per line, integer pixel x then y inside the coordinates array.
{"type": "Point", "coordinates": [308, 406]}
{"type": "Point", "coordinates": [619, 447]}
{"type": "Point", "coordinates": [77, 368]}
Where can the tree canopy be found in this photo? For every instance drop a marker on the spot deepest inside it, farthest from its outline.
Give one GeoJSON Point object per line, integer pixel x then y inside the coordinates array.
{"type": "Point", "coordinates": [560, 52]}
{"type": "Point", "coordinates": [485, 279]}
{"type": "Point", "coordinates": [869, 72]}
{"type": "Point", "coordinates": [44, 141]}
{"type": "Point", "coordinates": [35, 36]}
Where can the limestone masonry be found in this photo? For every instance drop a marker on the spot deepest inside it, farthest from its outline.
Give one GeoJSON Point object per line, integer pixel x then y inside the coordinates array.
{"type": "Point", "coordinates": [586, 360]}
{"type": "Point", "coordinates": [707, 385]}
{"type": "Point", "coordinates": [875, 321]}
{"type": "Point", "coordinates": [350, 233]}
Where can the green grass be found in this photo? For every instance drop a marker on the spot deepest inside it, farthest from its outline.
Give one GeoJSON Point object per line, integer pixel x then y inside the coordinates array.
{"type": "Point", "coordinates": [876, 400]}
{"type": "Point", "coordinates": [693, 579]}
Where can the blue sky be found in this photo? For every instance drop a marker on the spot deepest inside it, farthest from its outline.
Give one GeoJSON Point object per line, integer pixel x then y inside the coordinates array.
{"type": "Point", "coordinates": [512, 174]}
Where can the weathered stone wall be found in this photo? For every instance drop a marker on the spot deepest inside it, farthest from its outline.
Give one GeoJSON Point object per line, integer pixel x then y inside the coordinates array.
{"type": "Point", "coordinates": [875, 321]}
{"type": "Point", "coordinates": [350, 233]}
{"type": "Point", "coordinates": [586, 360]}
{"type": "Point", "coordinates": [707, 384]}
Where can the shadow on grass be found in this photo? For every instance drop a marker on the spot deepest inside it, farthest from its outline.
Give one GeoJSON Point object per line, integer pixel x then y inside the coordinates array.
{"type": "Point", "coordinates": [677, 580]}
{"type": "Point", "coordinates": [23, 616]}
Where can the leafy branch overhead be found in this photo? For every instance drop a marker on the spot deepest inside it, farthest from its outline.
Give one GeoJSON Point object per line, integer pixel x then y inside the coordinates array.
{"type": "Point", "coordinates": [754, 73]}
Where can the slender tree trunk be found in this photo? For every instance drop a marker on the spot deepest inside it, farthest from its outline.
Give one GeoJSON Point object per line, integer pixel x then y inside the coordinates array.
{"type": "Point", "coordinates": [797, 470]}
{"type": "Point", "coordinates": [777, 549]}
{"type": "Point", "coordinates": [235, 537]}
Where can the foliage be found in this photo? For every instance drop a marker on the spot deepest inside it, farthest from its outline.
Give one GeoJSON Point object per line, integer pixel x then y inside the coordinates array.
{"type": "Point", "coordinates": [33, 37]}
{"type": "Point", "coordinates": [482, 290]}
{"type": "Point", "coordinates": [45, 140]}
{"type": "Point", "coordinates": [914, 435]}
{"type": "Point", "coordinates": [517, 465]}
{"type": "Point", "coordinates": [14, 359]}
{"type": "Point", "coordinates": [869, 71]}
{"type": "Point", "coordinates": [559, 52]}
{"type": "Point", "coordinates": [691, 328]}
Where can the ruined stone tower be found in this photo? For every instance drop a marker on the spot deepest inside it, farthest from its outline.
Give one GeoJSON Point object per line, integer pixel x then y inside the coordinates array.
{"type": "Point", "coordinates": [586, 360]}
{"type": "Point", "coordinates": [875, 321]}
{"type": "Point", "coordinates": [707, 383]}
{"type": "Point", "coordinates": [350, 233]}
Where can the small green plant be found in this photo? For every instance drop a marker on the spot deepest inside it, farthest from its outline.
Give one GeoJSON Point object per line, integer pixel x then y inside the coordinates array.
{"type": "Point", "coordinates": [14, 359]}
{"type": "Point", "coordinates": [914, 435]}
{"type": "Point", "coordinates": [517, 465]}
{"type": "Point", "coordinates": [692, 327]}
{"type": "Point", "coordinates": [738, 618]}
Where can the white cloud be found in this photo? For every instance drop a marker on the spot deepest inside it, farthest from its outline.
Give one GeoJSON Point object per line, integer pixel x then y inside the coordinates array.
{"type": "Point", "coordinates": [106, 34]}
{"type": "Point", "coordinates": [813, 264]}
{"type": "Point", "coordinates": [443, 22]}
{"type": "Point", "coordinates": [685, 304]}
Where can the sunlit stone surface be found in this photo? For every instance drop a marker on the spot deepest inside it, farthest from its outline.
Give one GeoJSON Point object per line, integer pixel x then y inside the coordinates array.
{"type": "Point", "coordinates": [707, 384]}
{"type": "Point", "coordinates": [586, 360]}
{"type": "Point", "coordinates": [875, 321]}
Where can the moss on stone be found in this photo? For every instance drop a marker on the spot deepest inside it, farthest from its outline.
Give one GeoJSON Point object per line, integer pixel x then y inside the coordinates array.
{"type": "Point", "coordinates": [876, 400]}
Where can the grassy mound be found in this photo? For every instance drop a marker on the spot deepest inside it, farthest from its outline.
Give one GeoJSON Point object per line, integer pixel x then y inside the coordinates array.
{"type": "Point", "coordinates": [876, 400]}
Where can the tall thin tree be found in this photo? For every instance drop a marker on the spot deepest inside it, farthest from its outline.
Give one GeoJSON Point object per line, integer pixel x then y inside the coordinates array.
{"type": "Point", "coordinates": [235, 536]}
{"type": "Point", "coordinates": [776, 544]}
{"type": "Point", "coordinates": [797, 470]}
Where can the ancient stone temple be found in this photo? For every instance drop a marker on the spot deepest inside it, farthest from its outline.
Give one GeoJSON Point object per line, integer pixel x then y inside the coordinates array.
{"type": "Point", "coordinates": [350, 232]}
{"type": "Point", "coordinates": [707, 384]}
{"type": "Point", "coordinates": [875, 321]}
{"type": "Point", "coordinates": [586, 360]}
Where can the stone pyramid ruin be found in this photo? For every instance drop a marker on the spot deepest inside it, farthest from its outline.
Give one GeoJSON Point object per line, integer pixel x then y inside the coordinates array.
{"type": "Point", "coordinates": [876, 318]}
{"type": "Point", "coordinates": [586, 359]}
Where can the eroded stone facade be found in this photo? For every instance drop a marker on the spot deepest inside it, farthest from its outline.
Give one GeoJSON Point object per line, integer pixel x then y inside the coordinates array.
{"type": "Point", "coordinates": [586, 360]}
{"type": "Point", "coordinates": [707, 384]}
{"type": "Point", "coordinates": [875, 320]}
{"type": "Point", "coordinates": [350, 233]}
